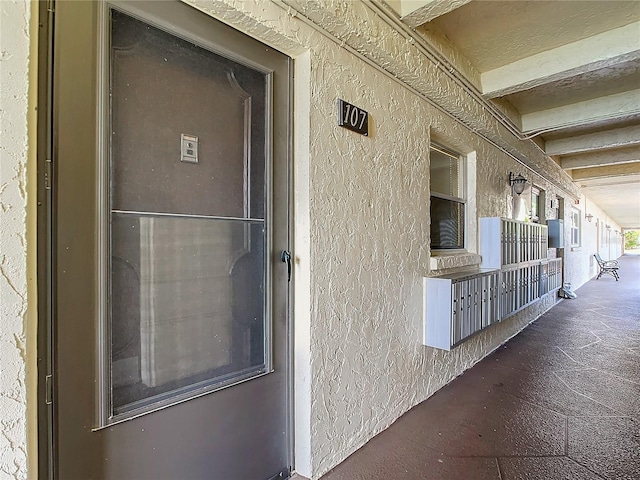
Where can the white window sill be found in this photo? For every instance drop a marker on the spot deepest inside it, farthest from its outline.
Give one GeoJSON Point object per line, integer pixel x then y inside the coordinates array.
{"type": "Point", "coordinates": [443, 260]}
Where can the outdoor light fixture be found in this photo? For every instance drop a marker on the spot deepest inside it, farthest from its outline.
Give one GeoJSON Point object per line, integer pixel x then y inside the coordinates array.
{"type": "Point", "coordinates": [608, 227]}
{"type": "Point", "coordinates": [517, 183]}
{"type": "Point", "coordinates": [589, 217]}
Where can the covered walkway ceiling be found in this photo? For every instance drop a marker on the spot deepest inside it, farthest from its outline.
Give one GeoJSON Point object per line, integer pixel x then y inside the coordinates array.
{"type": "Point", "coordinates": [566, 72]}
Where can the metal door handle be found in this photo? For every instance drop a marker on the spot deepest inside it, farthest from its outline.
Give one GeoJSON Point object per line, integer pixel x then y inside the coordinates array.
{"type": "Point", "coordinates": [285, 256]}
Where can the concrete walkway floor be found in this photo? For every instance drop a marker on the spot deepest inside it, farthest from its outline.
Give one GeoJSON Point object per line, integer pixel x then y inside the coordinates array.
{"type": "Point", "coordinates": [561, 400]}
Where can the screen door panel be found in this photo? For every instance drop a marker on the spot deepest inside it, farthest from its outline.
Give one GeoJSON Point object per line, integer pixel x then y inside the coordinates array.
{"type": "Point", "coordinates": [162, 87]}
{"type": "Point", "coordinates": [187, 307]}
{"type": "Point", "coordinates": [187, 231]}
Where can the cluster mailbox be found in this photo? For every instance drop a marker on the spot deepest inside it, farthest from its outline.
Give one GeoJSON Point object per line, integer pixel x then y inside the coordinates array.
{"type": "Point", "coordinates": [514, 273]}
{"type": "Point", "coordinates": [458, 305]}
{"type": "Point", "coordinates": [505, 242]}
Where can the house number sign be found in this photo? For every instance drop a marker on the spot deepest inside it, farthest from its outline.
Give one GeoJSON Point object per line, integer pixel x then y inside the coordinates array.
{"type": "Point", "coordinates": [353, 118]}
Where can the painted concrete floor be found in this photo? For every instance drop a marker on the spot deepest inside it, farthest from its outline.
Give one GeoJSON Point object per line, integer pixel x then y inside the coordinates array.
{"type": "Point", "coordinates": [561, 400]}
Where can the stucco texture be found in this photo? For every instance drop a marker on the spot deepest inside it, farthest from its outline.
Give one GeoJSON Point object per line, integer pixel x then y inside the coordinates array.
{"type": "Point", "coordinates": [14, 82]}
{"type": "Point", "coordinates": [580, 265]}
{"type": "Point", "coordinates": [369, 215]}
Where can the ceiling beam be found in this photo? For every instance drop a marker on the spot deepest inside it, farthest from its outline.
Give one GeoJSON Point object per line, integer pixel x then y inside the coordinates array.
{"type": "Point", "coordinates": [619, 105]}
{"type": "Point", "coordinates": [615, 138]}
{"type": "Point", "coordinates": [594, 53]}
{"type": "Point", "coordinates": [607, 172]}
{"type": "Point", "coordinates": [601, 159]}
{"type": "Point", "coordinates": [417, 12]}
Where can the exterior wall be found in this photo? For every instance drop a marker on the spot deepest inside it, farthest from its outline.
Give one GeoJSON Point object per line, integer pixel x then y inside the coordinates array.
{"type": "Point", "coordinates": [363, 206]}
{"type": "Point", "coordinates": [362, 223]}
{"type": "Point", "coordinates": [17, 301]}
{"type": "Point", "coordinates": [580, 265]}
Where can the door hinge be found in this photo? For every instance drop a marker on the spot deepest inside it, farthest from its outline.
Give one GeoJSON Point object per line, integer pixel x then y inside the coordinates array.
{"type": "Point", "coordinates": [48, 380]}
{"type": "Point", "coordinates": [48, 169]}
{"type": "Point", "coordinates": [51, 6]}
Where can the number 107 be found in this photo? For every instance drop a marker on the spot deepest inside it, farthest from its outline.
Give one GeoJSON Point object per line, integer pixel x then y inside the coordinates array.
{"type": "Point", "coordinates": [353, 116]}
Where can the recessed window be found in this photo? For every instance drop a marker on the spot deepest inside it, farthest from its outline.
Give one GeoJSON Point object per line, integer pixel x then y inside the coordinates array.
{"type": "Point", "coordinates": [575, 227]}
{"type": "Point", "coordinates": [535, 204]}
{"type": "Point", "coordinates": [448, 199]}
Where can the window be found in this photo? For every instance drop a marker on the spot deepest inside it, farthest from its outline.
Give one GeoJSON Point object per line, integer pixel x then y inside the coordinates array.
{"type": "Point", "coordinates": [575, 227]}
{"type": "Point", "coordinates": [535, 204]}
{"type": "Point", "coordinates": [447, 199]}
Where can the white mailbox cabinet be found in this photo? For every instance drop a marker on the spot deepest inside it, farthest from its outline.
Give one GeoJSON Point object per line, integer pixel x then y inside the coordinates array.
{"type": "Point", "coordinates": [554, 274]}
{"type": "Point", "coordinates": [505, 242]}
{"type": "Point", "coordinates": [515, 273]}
{"type": "Point", "coordinates": [459, 305]}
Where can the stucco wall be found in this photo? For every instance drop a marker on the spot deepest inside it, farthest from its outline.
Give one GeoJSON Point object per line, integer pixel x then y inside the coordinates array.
{"type": "Point", "coordinates": [362, 223]}
{"type": "Point", "coordinates": [367, 244]}
{"type": "Point", "coordinates": [580, 265]}
{"type": "Point", "coordinates": [14, 295]}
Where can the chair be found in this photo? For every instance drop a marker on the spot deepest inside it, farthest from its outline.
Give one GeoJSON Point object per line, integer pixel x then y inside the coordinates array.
{"type": "Point", "coordinates": [607, 266]}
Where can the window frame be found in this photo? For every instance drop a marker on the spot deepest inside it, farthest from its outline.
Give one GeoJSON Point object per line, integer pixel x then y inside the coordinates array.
{"type": "Point", "coordinates": [462, 188]}
{"type": "Point", "coordinates": [537, 194]}
{"type": "Point", "coordinates": [575, 227]}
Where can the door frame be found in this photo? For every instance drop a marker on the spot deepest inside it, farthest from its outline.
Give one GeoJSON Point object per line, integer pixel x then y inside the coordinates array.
{"type": "Point", "coordinates": [46, 243]}
{"type": "Point", "coordinates": [44, 222]}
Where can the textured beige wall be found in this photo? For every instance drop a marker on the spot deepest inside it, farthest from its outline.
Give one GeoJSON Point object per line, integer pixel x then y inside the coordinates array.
{"type": "Point", "coordinates": [580, 265]}
{"type": "Point", "coordinates": [362, 222]}
{"type": "Point", "coordinates": [17, 301]}
{"type": "Point", "coordinates": [359, 360]}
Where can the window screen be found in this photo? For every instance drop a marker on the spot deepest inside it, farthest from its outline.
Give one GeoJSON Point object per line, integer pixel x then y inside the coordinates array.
{"type": "Point", "coordinates": [575, 227]}
{"type": "Point", "coordinates": [447, 223]}
{"type": "Point", "coordinates": [445, 175]}
{"type": "Point", "coordinates": [535, 205]}
{"type": "Point", "coordinates": [447, 199]}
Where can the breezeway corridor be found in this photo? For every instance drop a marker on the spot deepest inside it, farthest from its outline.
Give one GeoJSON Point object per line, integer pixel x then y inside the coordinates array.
{"type": "Point", "coordinates": [561, 400]}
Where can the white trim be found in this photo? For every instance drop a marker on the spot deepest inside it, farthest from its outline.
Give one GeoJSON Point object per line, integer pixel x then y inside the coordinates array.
{"type": "Point", "coordinates": [302, 307]}
{"type": "Point", "coordinates": [577, 228]}
{"type": "Point", "coordinates": [463, 183]}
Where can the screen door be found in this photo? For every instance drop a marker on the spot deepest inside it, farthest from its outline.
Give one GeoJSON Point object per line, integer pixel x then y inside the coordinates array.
{"type": "Point", "coordinates": [171, 211]}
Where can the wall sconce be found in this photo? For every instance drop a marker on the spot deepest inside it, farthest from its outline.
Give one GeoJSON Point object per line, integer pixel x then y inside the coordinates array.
{"type": "Point", "coordinates": [589, 217]}
{"type": "Point", "coordinates": [608, 227]}
{"type": "Point", "coordinates": [517, 183]}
